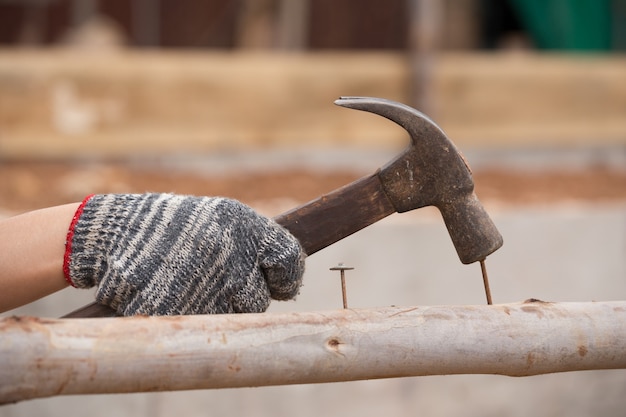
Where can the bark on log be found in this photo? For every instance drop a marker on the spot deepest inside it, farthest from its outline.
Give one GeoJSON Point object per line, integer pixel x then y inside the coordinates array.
{"type": "Point", "coordinates": [47, 357]}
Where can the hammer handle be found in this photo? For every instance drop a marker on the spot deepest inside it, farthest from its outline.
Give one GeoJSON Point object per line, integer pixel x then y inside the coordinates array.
{"type": "Point", "coordinates": [334, 216]}
{"type": "Point", "coordinates": [316, 224]}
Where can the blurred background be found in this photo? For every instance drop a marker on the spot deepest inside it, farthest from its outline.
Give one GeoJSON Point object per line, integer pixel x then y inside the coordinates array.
{"type": "Point", "coordinates": [236, 98]}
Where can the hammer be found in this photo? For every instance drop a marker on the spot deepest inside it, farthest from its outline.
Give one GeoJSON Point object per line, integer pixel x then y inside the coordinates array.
{"type": "Point", "coordinates": [429, 172]}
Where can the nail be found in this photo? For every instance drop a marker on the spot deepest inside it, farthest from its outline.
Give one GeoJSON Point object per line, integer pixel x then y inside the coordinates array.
{"type": "Point", "coordinates": [483, 270]}
{"type": "Point", "coordinates": [342, 269]}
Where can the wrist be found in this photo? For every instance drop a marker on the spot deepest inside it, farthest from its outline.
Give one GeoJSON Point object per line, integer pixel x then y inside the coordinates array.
{"type": "Point", "coordinates": [31, 254]}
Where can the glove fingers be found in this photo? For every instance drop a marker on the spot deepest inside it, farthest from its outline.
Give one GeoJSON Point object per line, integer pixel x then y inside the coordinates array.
{"type": "Point", "coordinates": [253, 296]}
{"type": "Point", "coordinates": [282, 263]}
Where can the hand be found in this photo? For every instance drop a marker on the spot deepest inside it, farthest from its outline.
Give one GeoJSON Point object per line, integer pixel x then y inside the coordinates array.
{"type": "Point", "coordinates": [164, 254]}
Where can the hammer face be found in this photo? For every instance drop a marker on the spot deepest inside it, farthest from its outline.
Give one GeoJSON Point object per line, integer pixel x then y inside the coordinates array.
{"type": "Point", "coordinates": [472, 231]}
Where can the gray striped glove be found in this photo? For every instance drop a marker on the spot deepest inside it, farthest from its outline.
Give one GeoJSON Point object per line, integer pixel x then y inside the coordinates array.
{"type": "Point", "coordinates": [164, 254]}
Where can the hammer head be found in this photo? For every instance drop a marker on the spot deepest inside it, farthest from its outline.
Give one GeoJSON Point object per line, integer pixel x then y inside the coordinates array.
{"type": "Point", "coordinates": [432, 172]}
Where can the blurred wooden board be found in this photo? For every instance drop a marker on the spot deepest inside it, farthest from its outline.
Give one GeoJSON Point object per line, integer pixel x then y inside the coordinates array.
{"type": "Point", "coordinates": [62, 104]}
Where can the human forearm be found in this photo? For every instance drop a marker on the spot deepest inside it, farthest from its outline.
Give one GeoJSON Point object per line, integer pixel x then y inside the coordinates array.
{"type": "Point", "coordinates": [32, 246]}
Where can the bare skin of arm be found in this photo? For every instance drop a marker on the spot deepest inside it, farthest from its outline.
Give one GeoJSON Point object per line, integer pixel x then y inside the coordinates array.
{"type": "Point", "coordinates": [32, 246]}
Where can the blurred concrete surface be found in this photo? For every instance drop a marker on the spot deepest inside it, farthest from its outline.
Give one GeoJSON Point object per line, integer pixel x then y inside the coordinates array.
{"type": "Point", "coordinates": [569, 252]}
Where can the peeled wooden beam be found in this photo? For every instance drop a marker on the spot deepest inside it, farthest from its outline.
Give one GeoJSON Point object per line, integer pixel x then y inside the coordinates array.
{"type": "Point", "coordinates": [47, 357]}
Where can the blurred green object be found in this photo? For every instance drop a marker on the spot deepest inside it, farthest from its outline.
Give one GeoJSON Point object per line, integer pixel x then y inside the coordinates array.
{"type": "Point", "coordinates": [584, 25]}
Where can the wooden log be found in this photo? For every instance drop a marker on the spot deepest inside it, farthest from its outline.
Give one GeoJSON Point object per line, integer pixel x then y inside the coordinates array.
{"type": "Point", "coordinates": [47, 357]}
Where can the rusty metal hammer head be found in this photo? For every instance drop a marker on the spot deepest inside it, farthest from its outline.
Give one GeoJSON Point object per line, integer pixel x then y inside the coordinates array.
{"type": "Point", "coordinates": [432, 172]}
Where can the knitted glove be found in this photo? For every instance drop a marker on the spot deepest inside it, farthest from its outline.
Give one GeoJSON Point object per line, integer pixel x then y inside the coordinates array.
{"type": "Point", "coordinates": [164, 254]}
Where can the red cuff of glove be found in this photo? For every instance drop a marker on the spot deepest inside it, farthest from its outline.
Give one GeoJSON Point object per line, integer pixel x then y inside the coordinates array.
{"type": "Point", "coordinates": [69, 238]}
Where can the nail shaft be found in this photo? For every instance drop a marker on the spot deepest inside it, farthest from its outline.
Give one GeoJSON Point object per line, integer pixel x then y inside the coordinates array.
{"type": "Point", "coordinates": [343, 289]}
{"type": "Point", "coordinates": [342, 269]}
{"type": "Point", "coordinates": [483, 270]}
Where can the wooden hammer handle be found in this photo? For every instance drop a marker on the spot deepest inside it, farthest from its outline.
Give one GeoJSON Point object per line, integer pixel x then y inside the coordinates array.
{"type": "Point", "coordinates": [316, 225]}
{"type": "Point", "coordinates": [334, 216]}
